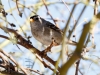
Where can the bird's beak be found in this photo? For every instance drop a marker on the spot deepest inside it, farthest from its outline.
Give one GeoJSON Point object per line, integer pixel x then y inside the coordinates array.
{"type": "Point", "coordinates": [31, 20]}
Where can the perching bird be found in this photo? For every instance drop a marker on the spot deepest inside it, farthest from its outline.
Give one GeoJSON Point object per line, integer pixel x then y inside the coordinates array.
{"type": "Point", "coordinates": [45, 32]}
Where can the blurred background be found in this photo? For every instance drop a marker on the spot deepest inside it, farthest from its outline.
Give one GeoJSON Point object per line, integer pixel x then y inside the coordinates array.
{"type": "Point", "coordinates": [19, 13]}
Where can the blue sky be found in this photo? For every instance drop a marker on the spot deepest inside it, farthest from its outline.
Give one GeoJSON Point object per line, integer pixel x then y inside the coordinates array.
{"type": "Point", "coordinates": [61, 12]}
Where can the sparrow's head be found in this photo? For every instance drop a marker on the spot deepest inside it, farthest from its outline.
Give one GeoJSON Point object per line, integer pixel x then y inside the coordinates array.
{"type": "Point", "coordinates": [36, 19]}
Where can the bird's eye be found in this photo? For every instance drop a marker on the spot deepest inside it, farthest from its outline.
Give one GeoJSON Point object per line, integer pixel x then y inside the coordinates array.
{"type": "Point", "coordinates": [35, 18]}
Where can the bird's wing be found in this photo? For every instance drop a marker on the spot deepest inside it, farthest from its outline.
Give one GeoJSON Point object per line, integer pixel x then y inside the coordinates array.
{"type": "Point", "coordinates": [53, 27]}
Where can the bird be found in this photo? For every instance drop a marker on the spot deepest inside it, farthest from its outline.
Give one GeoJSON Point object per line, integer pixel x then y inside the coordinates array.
{"type": "Point", "coordinates": [46, 32]}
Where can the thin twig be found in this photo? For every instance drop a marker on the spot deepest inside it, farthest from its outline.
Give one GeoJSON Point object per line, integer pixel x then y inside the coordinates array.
{"type": "Point", "coordinates": [49, 12]}
{"type": "Point", "coordinates": [20, 14]}
{"type": "Point", "coordinates": [69, 11]}
{"type": "Point", "coordinates": [34, 71]}
{"type": "Point", "coordinates": [77, 21]}
{"type": "Point", "coordinates": [77, 67]}
{"type": "Point", "coordinates": [96, 7]}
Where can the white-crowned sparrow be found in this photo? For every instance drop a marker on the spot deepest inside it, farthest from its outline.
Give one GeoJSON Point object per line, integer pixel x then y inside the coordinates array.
{"type": "Point", "coordinates": [45, 32]}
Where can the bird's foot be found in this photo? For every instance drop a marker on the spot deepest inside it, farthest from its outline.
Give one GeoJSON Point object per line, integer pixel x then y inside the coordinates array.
{"type": "Point", "coordinates": [48, 49]}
